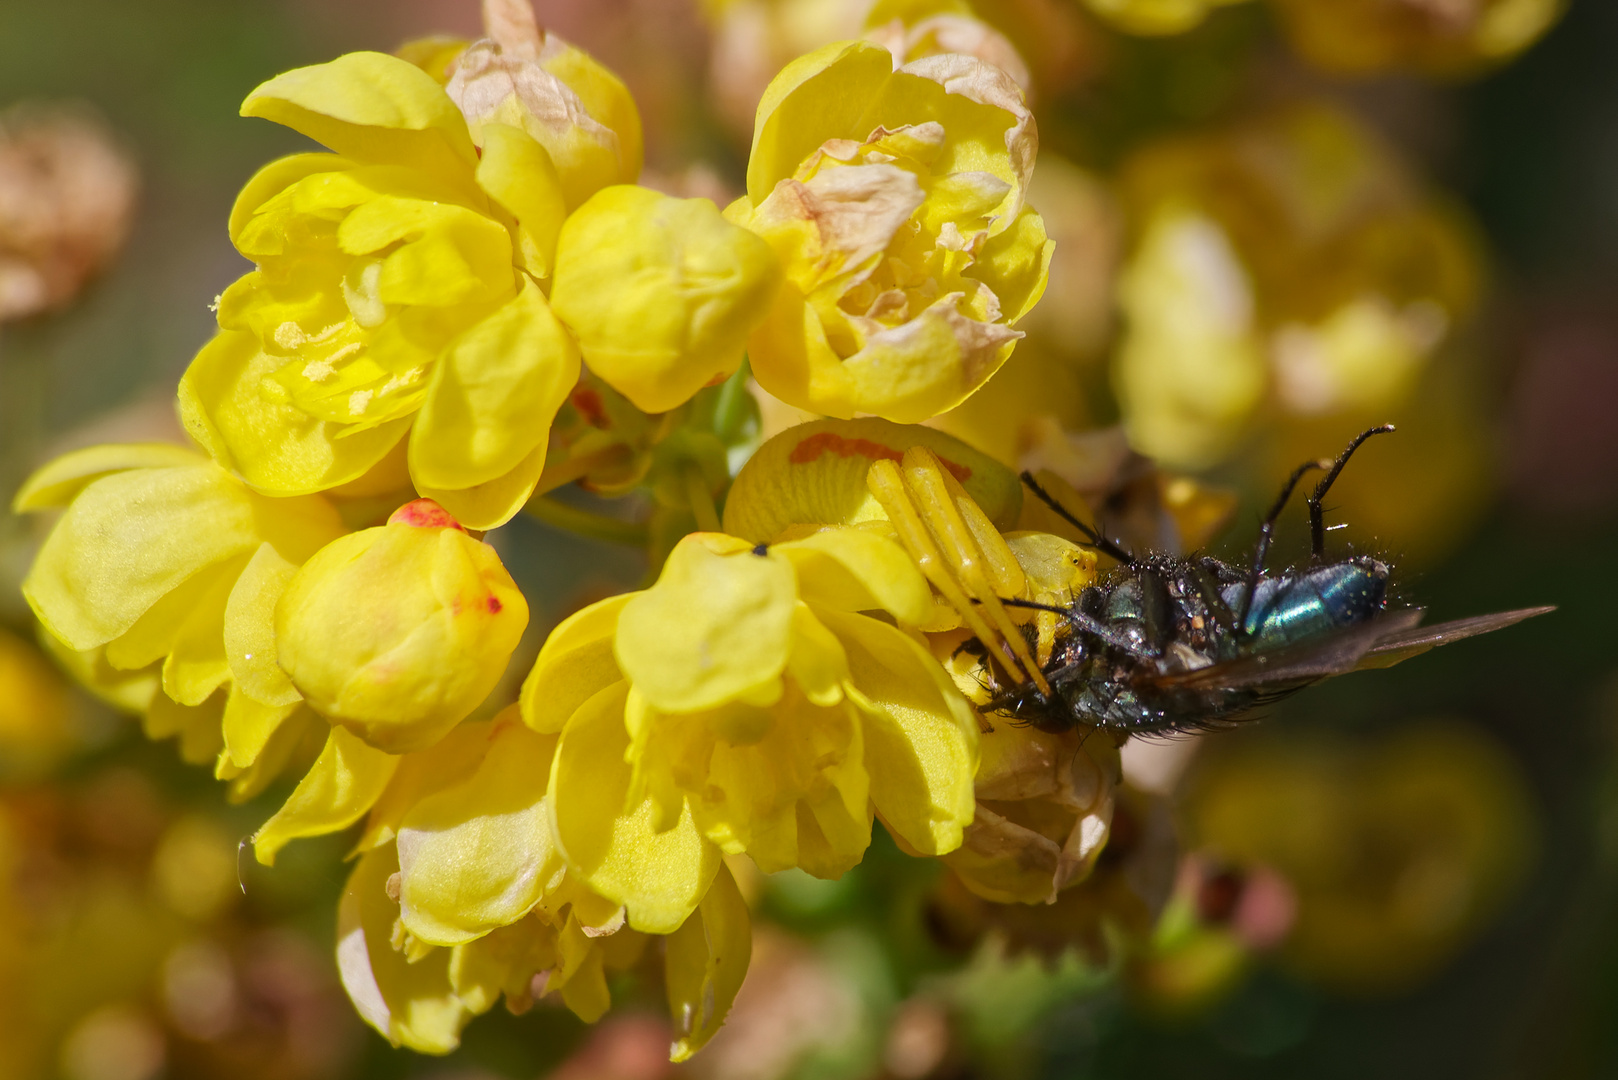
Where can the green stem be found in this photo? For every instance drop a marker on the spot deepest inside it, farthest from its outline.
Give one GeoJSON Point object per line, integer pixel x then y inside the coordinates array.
{"type": "Point", "coordinates": [587, 523]}
{"type": "Point", "coordinates": [701, 499]}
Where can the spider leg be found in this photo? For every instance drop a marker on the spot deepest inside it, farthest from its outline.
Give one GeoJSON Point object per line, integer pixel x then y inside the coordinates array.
{"type": "Point", "coordinates": [959, 551]}
{"type": "Point", "coordinates": [1086, 624]}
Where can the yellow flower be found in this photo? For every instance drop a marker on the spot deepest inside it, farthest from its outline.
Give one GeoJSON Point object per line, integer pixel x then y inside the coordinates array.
{"type": "Point", "coordinates": [753, 704]}
{"type": "Point", "coordinates": [398, 632]}
{"type": "Point", "coordinates": [1044, 812]}
{"type": "Point", "coordinates": [526, 77]}
{"type": "Point", "coordinates": [1156, 16]}
{"type": "Point", "coordinates": [1107, 916]}
{"type": "Point", "coordinates": [462, 897]}
{"type": "Point", "coordinates": [1374, 35]}
{"type": "Point", "coordinates": [660, 292]}
{"type": "Point", "coordinates": [1284, 270]}
{"type": "Point", "coordinates": [754, 39]}
{"type": "Point", "coordinates": [895, 201]}
{"type": "Point", "coordinates": [396, 294]}
{"type": "Point", "coordinates": [158, 586]}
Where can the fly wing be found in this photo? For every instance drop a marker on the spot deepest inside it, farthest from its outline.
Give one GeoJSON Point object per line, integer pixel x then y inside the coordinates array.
{"type": "Point", "coordinates": [1414, 641]}
{"type": "Point", "coordinates": [1331, 654]}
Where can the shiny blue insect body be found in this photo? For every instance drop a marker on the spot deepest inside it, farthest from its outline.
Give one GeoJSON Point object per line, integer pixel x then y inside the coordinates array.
{"type": "Point", "coordinates": [1166, 644]}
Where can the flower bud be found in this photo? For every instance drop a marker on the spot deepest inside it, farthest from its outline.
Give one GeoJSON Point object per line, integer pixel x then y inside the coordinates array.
{"type": "Point", "coordinates": [661, 292]}
{"type": "Point", "coordinates": [399, 632]}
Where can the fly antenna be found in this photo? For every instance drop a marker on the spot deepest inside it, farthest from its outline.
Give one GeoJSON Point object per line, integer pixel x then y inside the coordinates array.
{"type": "Point", "coordinates": [1097, 541]}
{"type": "Point", "coordinates": [1317, 514]}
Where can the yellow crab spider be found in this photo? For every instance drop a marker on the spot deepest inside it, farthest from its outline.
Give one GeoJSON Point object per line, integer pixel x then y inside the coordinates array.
{"type": "Point", "coordinates": [960, 552]}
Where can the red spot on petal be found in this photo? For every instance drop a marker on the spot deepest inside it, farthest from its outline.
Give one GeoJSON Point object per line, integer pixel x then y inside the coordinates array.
{"type": "Point", "coordinates": [495, 605]}
{"type": "Point", "coordinates": [424, 514]}
{"type": "Point", "coordinates": [829, 442]}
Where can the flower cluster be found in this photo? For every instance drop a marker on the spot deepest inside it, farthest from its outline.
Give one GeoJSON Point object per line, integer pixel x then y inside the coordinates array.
{"type": "Point", "coordinates": [467, 300]}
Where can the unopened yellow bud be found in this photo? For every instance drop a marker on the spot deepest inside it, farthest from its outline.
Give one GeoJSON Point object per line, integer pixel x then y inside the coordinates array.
{"type": "Point", "coordinates": [399, 632]}
{"type": "Point", "coordinates": [661, 292]}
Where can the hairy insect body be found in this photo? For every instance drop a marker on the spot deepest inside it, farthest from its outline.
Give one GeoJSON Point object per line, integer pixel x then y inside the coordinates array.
{"type": "Point", "coordinates": [1167, 644]}
{"type": "Point", "coordinates": [1132, 645]}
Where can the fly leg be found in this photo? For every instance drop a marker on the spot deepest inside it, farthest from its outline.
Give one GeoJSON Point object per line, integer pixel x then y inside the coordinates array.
{"type": "Point", "coordinates": [1266, 533]}
{"type": "Point", "coordinates": [1097, 540]}
{"type": "Point", "coordinates": [1317, 514]}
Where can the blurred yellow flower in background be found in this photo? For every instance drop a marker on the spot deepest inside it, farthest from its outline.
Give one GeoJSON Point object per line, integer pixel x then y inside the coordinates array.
{"type": "Point", "coordinates": [1283, 270]}
{"type": "Point", "coordinates": [1445, 39]}
{"type": "Point", "coordinates": [895, 200]}
{"type": "Point", "coordinates": [1156, 16]}
{"type": "Point", "coordinates": [36, 714]}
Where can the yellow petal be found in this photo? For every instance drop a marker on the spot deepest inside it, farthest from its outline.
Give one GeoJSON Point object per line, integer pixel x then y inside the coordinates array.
{"type": "Point", "coordinates": [130, 538]}
{"type": "Point", "coordinates": [713, 628]}
{"type": "Point", "coordinates": [154, 634]}
{"type": "Point", "coordinates": [197, 665]}
{"type": "Point", "coordinates": [493, 503]}
{"type": "Point", "coordinates": [370, 107]}
{"type": "Point", "coordinates": [129, 691]}
{"type": "Point", "coordinates": [575, 663]}
{"type": "Point", "coordinates": [817, 662]}
{"type": "Point", "coordinates": [265, 184]}
{"type": "Point", "coordinates": [248, 725]}
{"type": "Point", "coordinates": [411, 1004]}
{"type": "Point", "coordinates": [478, 855]}
{"type": "Point", "coordinates": [503, 961]}
{"type": "Point", "coordinates": [576, 109]}
{"type": "Point", "coordinates": [518, 174]}
{"type": "Point", "coordinates": [856, 570]}
{"type": "Point", "coordinates": [814, 474]}
{"type": "Point", "coordinates": [822, 95]}
{"type": "Point", "coordinates": [297, 737]}
{"type": "Point", "coordinates": [446, 763]}
{"type": "Point", "coordinates": [705, 962]}
{"type": "Point", "coordinates": [493, 395]}
{"type": "Point", "coordinates": [921, 735]}
{"type": "Point", "coordinates": [58, 482]}
{"type": "Point", "coordinates": [661, 292]}
{"type": "Point", "coordinates": [249, 630]}
{"type": "Point", "coordinates": [584, 990]}
{"type": "Point", "coordinates": [277, 448]}
{"type": "Point", "coordinates": [340, 787]}
{"type": "Point", "coordinates": [1016, 264]}
{"type": "Point", "coordinates": [659, 878]}
{"type": "Point", "coordinates": [196, 725]}
{"type": "Point", "coordinates": [914, 371]}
